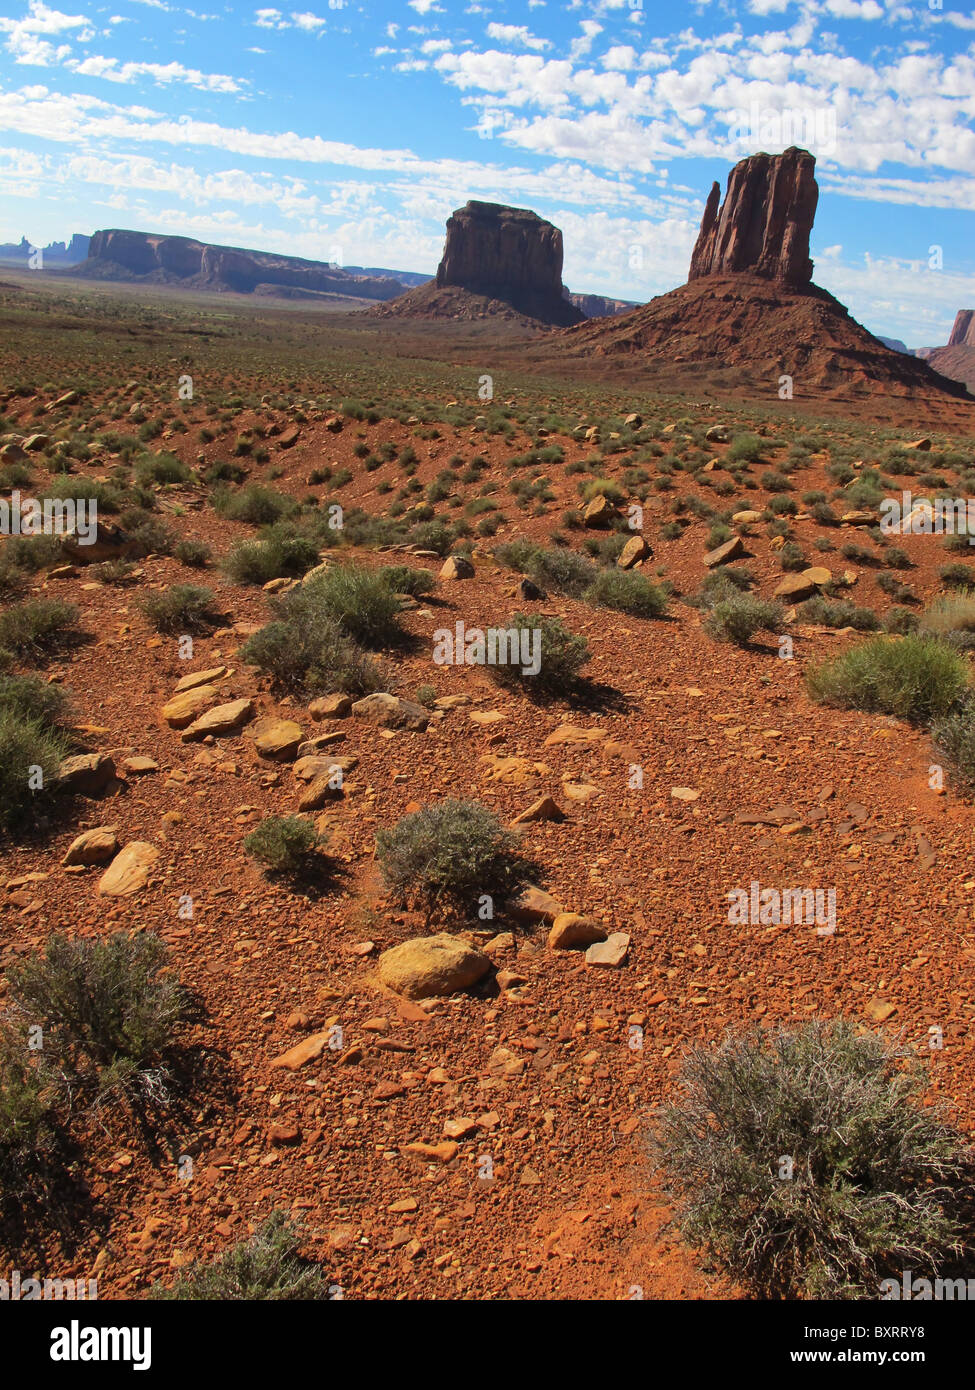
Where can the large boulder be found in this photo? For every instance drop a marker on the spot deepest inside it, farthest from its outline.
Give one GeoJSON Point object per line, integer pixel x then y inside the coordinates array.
{"type": "Point", "coordinates": [431, 965]}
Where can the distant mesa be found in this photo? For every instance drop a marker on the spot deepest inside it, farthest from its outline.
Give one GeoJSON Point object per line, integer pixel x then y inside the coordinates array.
{"type": "Point", "coordinates": [145, 258]}
{"type": "Point", "coordinates": [750, 315]}
{"type": "Point", "coordinates": [498, 262]}
{"type": "Point", "coordinates": [957, 358]}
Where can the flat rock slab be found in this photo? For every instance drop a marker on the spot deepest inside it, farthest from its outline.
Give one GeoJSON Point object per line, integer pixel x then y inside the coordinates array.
{"type": "Point", "coordinates": [731, 550]}
{"type": "Point", "coordinates": [390, 712]}
{"type": "Point", "coordinates": [611, 953]}
{"type": "Point", "coordinates": [278, 739]}
{"type": "Point", "coordinates": [222, 719]}
{"type": "Point", "coordinates": [195, 678]}
{"type": "Point", "coordinates": [306, 1051]}
{"type": "Point", "coordinates": [129, 870]}
{"type": "Point", "coordinates": [188, 704]}
{"type": "Point", "coordinates": [87, 774]}
{"type": "Point", "coordinates": [93, 846]}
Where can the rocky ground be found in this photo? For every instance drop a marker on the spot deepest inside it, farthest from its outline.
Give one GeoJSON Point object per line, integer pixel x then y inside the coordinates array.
{"type": "Point", "coordinates": [491, 1143]}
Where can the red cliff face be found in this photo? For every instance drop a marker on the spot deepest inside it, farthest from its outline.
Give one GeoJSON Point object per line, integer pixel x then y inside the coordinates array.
{"type": "Point", "coordinates": [763, 226]}
{"type": "Point", "coordinates": [963, 332]}
{"type": "Point", "coordinates": [507, 254]}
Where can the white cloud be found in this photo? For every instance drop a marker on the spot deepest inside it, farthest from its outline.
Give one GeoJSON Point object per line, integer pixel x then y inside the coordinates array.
{"type": "Point", "coordinates": [516, 34]}
{"type": "Point", "coordinates": [164, 74]}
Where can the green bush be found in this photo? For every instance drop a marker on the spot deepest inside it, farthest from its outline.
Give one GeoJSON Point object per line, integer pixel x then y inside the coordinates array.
{"type": "Point", "coordinates": [957, 576]}
{"type": "Point", "coordinates": [26, 1124]}
{"type": "Point", "coordinates": [361, 602]}
{"type": "Point", "coordinates": [738, 617]}
{"type": "Point", "coordinates": [803, 1161]}
{"type": "Point", "coordinates": [279, 552]}
{"type": "Point", "coordinates": [839, 614]}
{"type": "Point", "coordinates": [161, 468]}
{"type": "Point", "coordinates": [33, 744]}
{"type": "Point", "coordinates": [563, 571]}
{"type": "Point", "coordinates": [193, 554]}
{"type": "Point", "coordinates": [261, 506]}
{"type": "Point", "coordinates": [447, 856]}
{"type": "Point", "coordinates": [562, 655]}
{"type": "Point", "coordinates": [305, 651]}
{"type": "Point", "coordinates": [265, 1268]}
{"type": "Point", "coordinates": [913, 678]}
{"type": "Point", "coordinates": [404, 579]}
{"type": "Point", "coordinates": [108, 1010]}
{"type": "Point", "coordinates": [182, 608]}
{"type": "Point", "coordinates": [627, 592]}
{"type": "Point", "coordinates": [283, 843]}
{"type": "Point", "coordinates": [954, 741]}
{"type": "Point", "coordinates": [34, 627]}
{"type": "Point", "coordinates": [950, 613]}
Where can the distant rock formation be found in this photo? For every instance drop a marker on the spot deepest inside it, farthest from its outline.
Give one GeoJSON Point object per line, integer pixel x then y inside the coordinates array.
{"type": "Point", "coordinates": [597, 306]}
{"type": "Point", "coordinates": [763, 226]}
{"type": "Point", "coordinates": [963, 331]}
{"type": "Point", "coordinates": [497, 262]}
{"type": "Point", "coordinates": [55, 253]}
{"type": "Point", "coordinates": [749, 315]}
{"type": "Point", "coordinates": [118, 254]}
{"type": "Point", "coordinates": [957, 358]}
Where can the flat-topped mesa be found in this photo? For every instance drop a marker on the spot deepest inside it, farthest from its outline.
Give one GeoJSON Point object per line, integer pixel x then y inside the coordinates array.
{"type": "Point", "coordinates": [763, 226]}
{"type": "Point", "coordinates": [963, 331]}
{"type": "Point", "coordinates": [510, 254]}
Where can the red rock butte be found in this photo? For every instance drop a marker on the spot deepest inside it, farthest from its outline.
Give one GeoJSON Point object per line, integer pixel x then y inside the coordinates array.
{"type": "Point", "coordinates": [764, 223]}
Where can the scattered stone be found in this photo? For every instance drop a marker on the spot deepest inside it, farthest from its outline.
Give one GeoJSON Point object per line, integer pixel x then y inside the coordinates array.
{"type": "Point", "coordinates": [731, 550]}
{"type": "Point", "coordinates": [434, 1153]}
{"type": "Point", "coordinates": [569, 733]}
{"type": "Point", "coordinates": [542, 809]}
{"type": "Point", "coordinates": [456, 567]}
{"type": "Point", "coordinates": [535, 905]}
{"type": "Point", "coordinates": [93, 846]}
{"type": "Point", "coordinates": [635, 550]}
{"type": "Point", "coordinates": [223, 719]}
{"type": "Point", "coordinates": [598, 513]}
{"type": "Point", "coordinates": [306, 1051]}
{"type": "Point", "coordinates": [331, 707]}
{"type": "Point", "coordinates": [611, 952]}
{"type": "Point", "coordinates": [139, 766]}
{"type": "Point", "coordinates": [86, 774]}
{"type": "Point", "coordinates": [432, 965]}
{"type": "Point", "coordinates": [277, 739]}
{"type": "Point", "coordinates": [570, 931]}
{"type": "Point", "coordinates": [183, 708]}
{"type": "Point", "coordinates": [129, 870]}
{"type": "Point", "coordinates": [390, 712]}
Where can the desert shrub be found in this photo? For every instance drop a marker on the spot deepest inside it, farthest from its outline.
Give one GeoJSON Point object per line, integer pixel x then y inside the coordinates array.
{"type": "Point", "coordinates": [913, 678]}
{"type": "Point", "coordinates": [147, 535]}
{"type": "Point", "coordinates": [27, 1123]}
{"type": "Point", "coordinates": [193, 554]}
{"type": "Point", "coordinates": [261, 506]}
{"type": "Point", "coordinates": [33, 553]}
{"type": "Point", "coordinates": [561, 570]}
{"type": "Point", "coordinates": [561, 655]}
{"type": "Point", "coordinates": [954, 741]}
{"type": "Point", "coordinates": [305, 651]}
{"type": "Point", "coordinates": [871, 1174]}
{"type": "Point", "coordinates": [897, 559]}
{"type": "Point", "coordinates": [181, 608]}
{"type": "Point", "coordinates": [264, 1268]}
{"type": "Point", "coordinates": [404, 579]}
{"type": "Point", "coordinates": [950, 613]}
{"type": "Point", "coordinates": [823, 513]}
{"type": "Point", "coordinates": [279, 552]}
{"type": "Point", "coordinates": [29, 629]}
{"type": "Point", "coordinates": [791, 558]}
{"type": "Point", "coordinates": [957, 576]}
{"type": "Point", "coordinates": [108, 1009]}
{"type": "Point", "coordinates": [738, 617]}
{"type": "Point", "coordinates": [745, 448]}
{"type": "Point", "coordinates": [859, 554]}
{"type": "Point", "coordinates": [283, 843]}
{"type": "Point", "coordinates": [161, 468]}
{"type": "Point", "coordinates": [27, 744]}
{"type": "Point", "coordinates": [106, 496]}
{"type": "Point", "coordinates": [627, 592]}
{"type": "Point", "coordinates": [449, 855]}
{"type": "Point", "coordinates": [361, 602]}
{"type": "Point", "coordinates": [516, 555]}
{"type": "Point", "coordinates": [900, 621]}
{"type": "Point", "coordinates": [838, 614]}
{"type": "Point", "coordinates": [29, 697]}
{"type": "Point", "coordinates": [226, 472]}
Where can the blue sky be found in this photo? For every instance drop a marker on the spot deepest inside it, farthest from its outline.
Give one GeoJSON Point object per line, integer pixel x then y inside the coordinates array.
{"type": "Point", "coordinates": [349, 131]}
